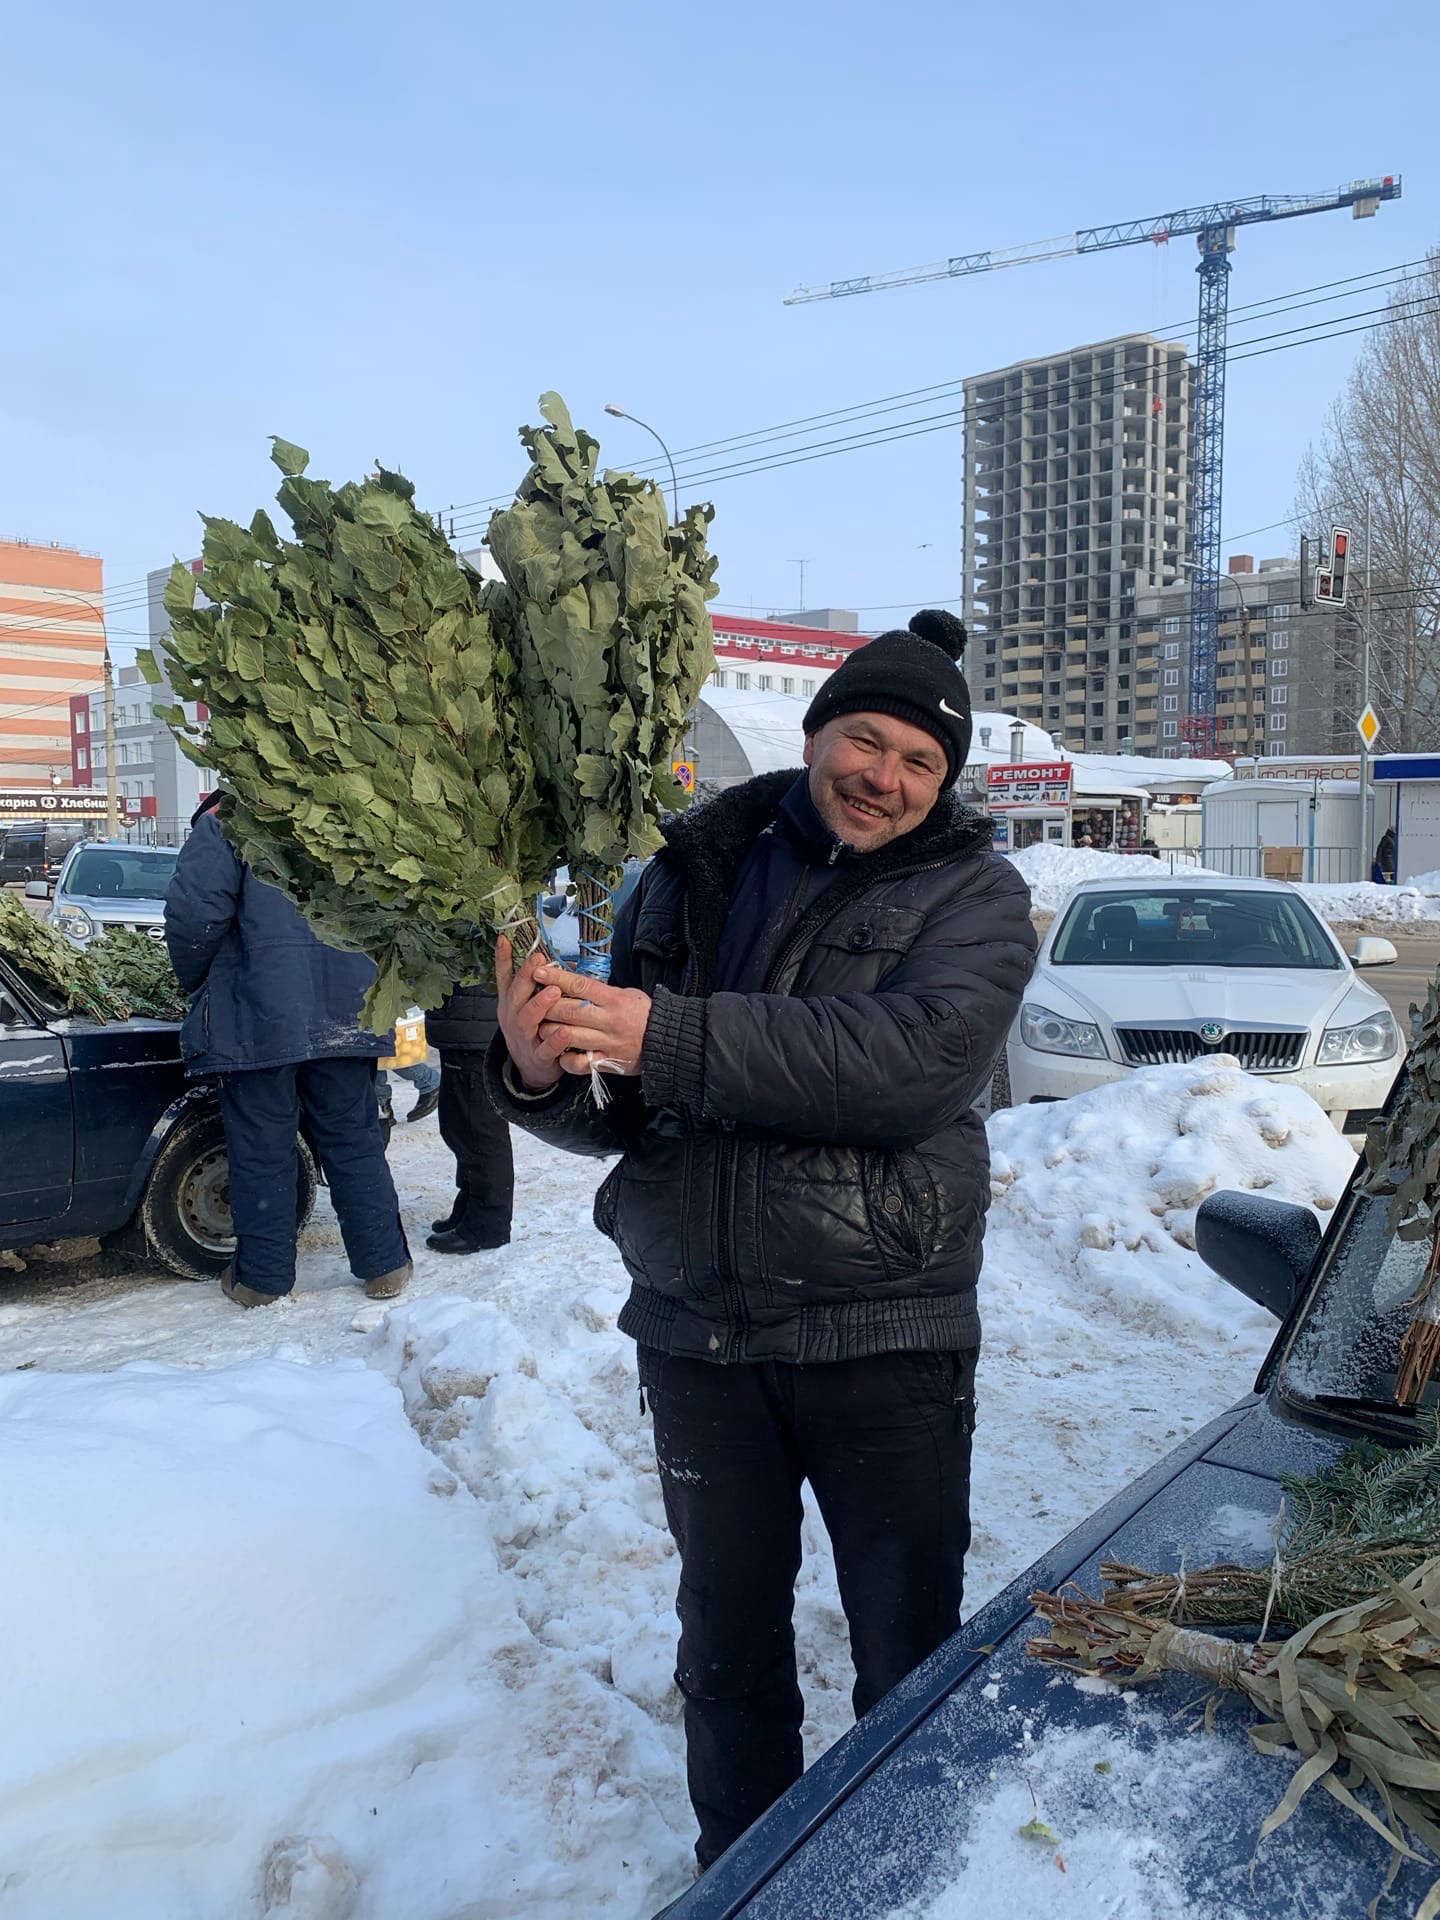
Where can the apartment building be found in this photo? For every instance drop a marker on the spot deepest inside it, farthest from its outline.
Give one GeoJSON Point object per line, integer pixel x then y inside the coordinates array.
{"type": "Point", "coordinates": [52, 644]}
{"type": "Point", "coordinates": [1287, 678]}
{"type": "Point", "coordinates": [1076, 499]}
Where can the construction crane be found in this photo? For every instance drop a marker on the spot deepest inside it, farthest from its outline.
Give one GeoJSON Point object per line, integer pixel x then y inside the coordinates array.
{"type": "Point", "coordinates": [1214, 229]}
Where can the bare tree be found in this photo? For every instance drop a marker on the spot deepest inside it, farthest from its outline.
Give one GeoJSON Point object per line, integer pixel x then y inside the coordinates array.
{"type": "Point", "coordinates": [1382, 439]}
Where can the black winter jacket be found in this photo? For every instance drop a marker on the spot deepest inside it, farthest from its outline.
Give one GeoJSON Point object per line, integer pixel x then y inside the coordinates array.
{"type": "Point", "coordinates": [802, 1177]}
{"type": "Point", "coordinates": [465, 1023]}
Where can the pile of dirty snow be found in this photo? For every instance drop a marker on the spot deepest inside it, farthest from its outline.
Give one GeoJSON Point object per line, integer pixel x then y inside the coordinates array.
{"type": "Point", "coordinates": [1416, 905]}
{"type": "Point", "coordinates": [344, 1613]}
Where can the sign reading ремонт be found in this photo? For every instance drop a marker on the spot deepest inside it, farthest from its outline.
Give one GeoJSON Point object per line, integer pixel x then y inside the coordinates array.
{"type": "Point", "coordinates": [1019, 783]}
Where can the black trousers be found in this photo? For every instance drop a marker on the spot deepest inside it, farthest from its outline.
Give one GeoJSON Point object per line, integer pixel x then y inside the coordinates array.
{"type": "Point", "coordinates": [261, 1111]}
{"type": "Point", "coordinates": [885, 1443]}
{"type": "Point", "coordinates": [480, 1141]}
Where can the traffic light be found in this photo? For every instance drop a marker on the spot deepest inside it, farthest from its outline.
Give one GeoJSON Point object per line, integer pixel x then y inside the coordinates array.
{"type": "Point", "coordinates": [1333, 574]}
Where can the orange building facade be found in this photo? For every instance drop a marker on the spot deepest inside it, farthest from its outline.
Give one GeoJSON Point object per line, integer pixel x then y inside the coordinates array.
{"type": "Point", "coordinates": [52, 645]}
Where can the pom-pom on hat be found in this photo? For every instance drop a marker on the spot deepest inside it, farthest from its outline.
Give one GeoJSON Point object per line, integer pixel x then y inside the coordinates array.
{"type": "Point", "coordinates": [913, 674]}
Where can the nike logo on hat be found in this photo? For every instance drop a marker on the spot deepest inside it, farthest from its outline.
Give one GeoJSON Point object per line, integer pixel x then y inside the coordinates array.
{"type": "Point", "coordinates": [945, 707]}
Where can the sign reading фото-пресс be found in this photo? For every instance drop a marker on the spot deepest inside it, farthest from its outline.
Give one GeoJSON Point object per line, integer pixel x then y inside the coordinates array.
{"type": "Point", "coordinates": [1019, 783]}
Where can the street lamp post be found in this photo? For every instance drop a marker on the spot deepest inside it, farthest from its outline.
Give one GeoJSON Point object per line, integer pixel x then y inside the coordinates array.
{"type": "Point", "coordinates": [619, 413]}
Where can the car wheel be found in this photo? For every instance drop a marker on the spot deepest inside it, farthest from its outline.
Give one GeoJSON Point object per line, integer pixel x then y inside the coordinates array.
{"type": "Point", "coordinates": [1000, 1085]}
{"type": "Point", "coordinates": [185, 1213]}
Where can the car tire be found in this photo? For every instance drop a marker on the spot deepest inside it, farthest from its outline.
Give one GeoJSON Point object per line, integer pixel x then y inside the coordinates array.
{"type": "Point", "coordinates": [1000, 1085]}
{"type": "Point", "coordinates": [185, 1212]}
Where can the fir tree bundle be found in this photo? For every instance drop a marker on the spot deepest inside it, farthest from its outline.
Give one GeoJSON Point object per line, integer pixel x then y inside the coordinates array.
{"type": "Point", "coordinates": [1355, 1689]}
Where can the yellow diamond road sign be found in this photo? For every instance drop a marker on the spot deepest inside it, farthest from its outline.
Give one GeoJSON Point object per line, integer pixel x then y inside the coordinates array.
{"type": "Point", "coordinates": [1368, 726]}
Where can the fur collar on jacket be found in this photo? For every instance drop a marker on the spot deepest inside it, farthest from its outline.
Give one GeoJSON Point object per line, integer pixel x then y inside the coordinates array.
{"type": "Point", "coordinates": [707, 847]}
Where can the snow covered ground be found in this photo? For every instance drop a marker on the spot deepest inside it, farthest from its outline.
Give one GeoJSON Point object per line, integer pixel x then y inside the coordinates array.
{"type": "Point", "coordinates": [341, 1613]}
{"type": "Point", "coordinates": [1052, 871]}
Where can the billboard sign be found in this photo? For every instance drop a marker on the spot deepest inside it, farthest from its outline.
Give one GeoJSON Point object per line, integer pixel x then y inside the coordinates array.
{"type": "Point", "coordinates": [1019, 783]}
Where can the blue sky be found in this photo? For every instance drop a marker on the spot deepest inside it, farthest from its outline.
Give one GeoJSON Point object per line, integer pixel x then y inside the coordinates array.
{"type": "Point", "coordinates": [383, 230]}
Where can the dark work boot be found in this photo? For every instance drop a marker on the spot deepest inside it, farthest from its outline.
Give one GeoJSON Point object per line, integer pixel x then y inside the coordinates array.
{"type": "Point", "coordinates": [424, 1106]}
{"type": "Point", "coordinates": [463, 1237]}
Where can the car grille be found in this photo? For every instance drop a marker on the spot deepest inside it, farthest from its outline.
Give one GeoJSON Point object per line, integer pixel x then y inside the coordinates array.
{"type": "Point", "coordinates": [153, 928]}
{"type": "Point", "coordinates": [1258, 1051]}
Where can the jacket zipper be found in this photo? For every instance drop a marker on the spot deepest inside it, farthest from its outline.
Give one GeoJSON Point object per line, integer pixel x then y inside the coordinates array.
{"type": "Point", "coordinates": [728, 1169]}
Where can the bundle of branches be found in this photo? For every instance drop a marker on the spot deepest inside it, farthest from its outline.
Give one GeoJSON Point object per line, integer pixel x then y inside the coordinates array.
{"type": "Point", "coordinates": [1355, 1574]}
{"type": "Point", "coordinates": [366, 726]}
{"type": "Point", "coordinates": [1347, 1532]}
{"type": "Point", "coordinates": [1403, 1156]}
{"type": "Point", "coordinates": [1355, 1692]}
{"type": "Point", "coordinates": [114, 978]}
{"type": "Point", "coordinates": [612, 646]}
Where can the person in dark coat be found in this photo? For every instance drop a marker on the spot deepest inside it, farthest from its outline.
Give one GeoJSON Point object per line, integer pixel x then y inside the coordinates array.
{"type": "Point", "coordinates": [275, 1014]}
{"type": "Point", "coordinates": [808, 991]}
{"type": "Point", "coordinates": [463, 1029]}
{"type": "Point", "coordinates": [1383, 870]}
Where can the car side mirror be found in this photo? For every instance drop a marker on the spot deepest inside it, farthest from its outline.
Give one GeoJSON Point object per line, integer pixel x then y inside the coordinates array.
{"type": "Point", "coordinates": [1373, 952]}
{"type": "Point", "coordinates": [1264, 1248]}
{"type": "Point", "coordinates": [39, 889]}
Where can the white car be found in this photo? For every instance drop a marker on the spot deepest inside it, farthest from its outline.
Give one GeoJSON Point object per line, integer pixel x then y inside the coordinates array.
{"type": "Point", "coordinates": [1154, 970]}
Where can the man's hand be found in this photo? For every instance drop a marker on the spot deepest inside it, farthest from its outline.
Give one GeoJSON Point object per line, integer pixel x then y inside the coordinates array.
{"type": "Point", "coordinates": [592, 1023]}
{"type": "Point", "coordinates": [556, 1022]}
{"type": "Point", "coordinates": [524, 1004]}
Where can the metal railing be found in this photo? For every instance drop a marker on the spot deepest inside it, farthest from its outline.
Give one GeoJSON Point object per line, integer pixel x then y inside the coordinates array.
{"type": "Point", "coordinates": [1322, 866]}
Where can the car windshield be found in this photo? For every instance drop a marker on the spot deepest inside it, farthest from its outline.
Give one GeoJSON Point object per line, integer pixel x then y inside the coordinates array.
{"type": "Point", "coordinates": [1347, 1349]}
{"type": "Point", "coordinates": [1184, 927]}
{"type": "Point", "coordinates": [120, 873]}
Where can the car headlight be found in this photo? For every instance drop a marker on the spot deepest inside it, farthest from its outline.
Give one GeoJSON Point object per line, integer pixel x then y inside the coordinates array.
{"type": "Point", "coordinates": [1049, 1032]}
{"type": "Point", "coordinates": [75, 922]}
{"type": "Point", "coordinates": [1373, 1039]}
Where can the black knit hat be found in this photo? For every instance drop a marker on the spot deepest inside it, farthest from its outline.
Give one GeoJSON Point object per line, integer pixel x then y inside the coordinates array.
{"type": "Point", "coordinates": [914, 675]}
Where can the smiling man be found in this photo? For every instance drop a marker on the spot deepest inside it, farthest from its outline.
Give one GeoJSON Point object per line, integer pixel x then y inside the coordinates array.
{"type": "Point", "coordinates": [808, 989]}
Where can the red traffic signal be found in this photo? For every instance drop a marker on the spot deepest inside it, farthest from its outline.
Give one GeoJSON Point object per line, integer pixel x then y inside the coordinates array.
{"type": "Point", "coordinates": [1332, 575]}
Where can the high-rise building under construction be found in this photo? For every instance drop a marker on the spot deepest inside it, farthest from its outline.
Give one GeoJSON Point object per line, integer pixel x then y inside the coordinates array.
{"type": "Point", "coordinates": [1076, 477]}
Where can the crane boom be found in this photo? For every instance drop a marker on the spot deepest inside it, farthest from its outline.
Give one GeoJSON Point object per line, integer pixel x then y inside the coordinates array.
{"type": "Point", "coordinates": [1214, 229]}
{"type": "Point", "coordinates": [1363, 195]}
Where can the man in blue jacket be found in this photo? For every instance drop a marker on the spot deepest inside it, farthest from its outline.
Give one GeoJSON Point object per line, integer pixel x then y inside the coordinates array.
{"type": "Point", "coordinates": [274, 1013]}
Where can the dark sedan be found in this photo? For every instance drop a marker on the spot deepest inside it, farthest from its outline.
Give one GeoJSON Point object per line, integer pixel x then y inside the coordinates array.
{"type": "Point", "coordinates": [988, 1784]}
{"type": "Point", "coordinates": [102, 1136]}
